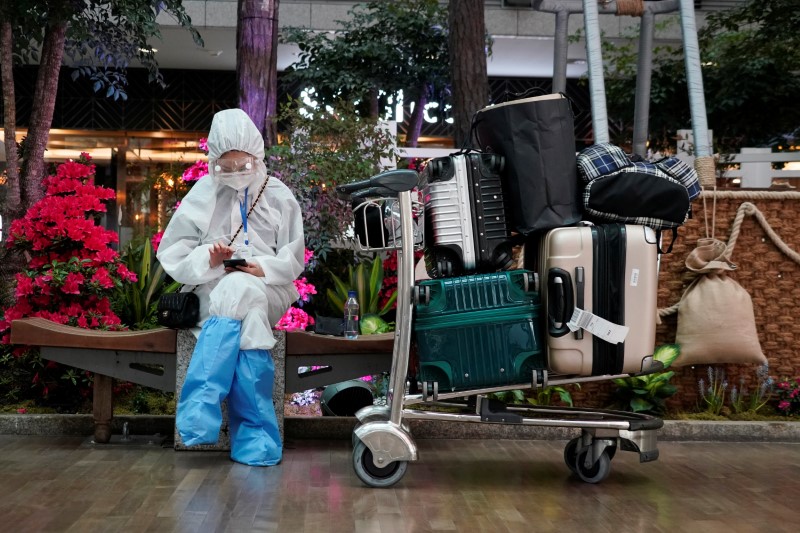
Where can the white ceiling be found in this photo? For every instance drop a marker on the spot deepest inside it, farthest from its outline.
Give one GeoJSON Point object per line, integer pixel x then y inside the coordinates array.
{"type": "Point", "coordinates": [511, 56]}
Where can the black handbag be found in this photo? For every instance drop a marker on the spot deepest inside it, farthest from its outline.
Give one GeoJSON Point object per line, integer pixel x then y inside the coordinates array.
{"type": "Point", "coordinates": [179, 310]}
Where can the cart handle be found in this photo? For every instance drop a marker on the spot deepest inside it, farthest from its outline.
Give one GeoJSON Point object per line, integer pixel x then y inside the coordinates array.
{"type": "Point", "coordinates": [385, 184]}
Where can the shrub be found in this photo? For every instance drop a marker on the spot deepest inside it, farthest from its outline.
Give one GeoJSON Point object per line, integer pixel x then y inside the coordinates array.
{"type": "Point", "coordinates": [70, 275]}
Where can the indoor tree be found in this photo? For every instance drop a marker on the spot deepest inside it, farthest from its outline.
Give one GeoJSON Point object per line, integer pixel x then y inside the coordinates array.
{"type": "Point", "coordinates": [383, 47]}
{"type": "Point", "coordinates": [100, 37]}
{"type": "Point", "coordinates": [751, 77]}
{"type": "Point", "coordinates": [257, 64]}
{"type": "Point", "coordinates": [470, 81]}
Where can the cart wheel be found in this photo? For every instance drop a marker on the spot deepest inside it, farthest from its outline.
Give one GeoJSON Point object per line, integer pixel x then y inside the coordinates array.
{"type": "Point", "coordinates": [611, 451]}
{"type": "Point", "coordinates": [374, 476]}
{"type": "Point", "coordinates": [353, 435]}
{"type": "Point", "coordinates": [571, 454]}
{"type": "Point", "coordinates": [595, 473]}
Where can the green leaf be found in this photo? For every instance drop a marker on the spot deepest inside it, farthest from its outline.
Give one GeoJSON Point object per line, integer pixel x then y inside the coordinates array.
{"type": "Point", "coordinates": [667, 353]}
{"type": "Point", "coordinates": [375, 284]}
{"type": "Point", "coordinates": [565, 396]}
{"type": "Point", "coordinates": [638, 405]}
{"type": "Point", "coordinates": [389, 304]}
{"type": "Point", "coordinates": [336, 301]}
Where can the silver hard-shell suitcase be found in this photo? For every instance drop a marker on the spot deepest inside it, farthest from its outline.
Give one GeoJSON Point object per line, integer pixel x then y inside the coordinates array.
{"type": "Point", "coordinates": [610, 270]}
{"type": "Point", "coordinates": [465, 216]}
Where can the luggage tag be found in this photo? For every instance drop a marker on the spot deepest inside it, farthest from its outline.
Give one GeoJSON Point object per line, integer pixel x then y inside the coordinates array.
{"type": "Point", "coordinates": [597, 326]}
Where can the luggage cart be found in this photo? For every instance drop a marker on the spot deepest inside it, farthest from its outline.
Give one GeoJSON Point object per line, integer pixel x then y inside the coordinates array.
{"type": "Point", "coordinates": [382, 441]}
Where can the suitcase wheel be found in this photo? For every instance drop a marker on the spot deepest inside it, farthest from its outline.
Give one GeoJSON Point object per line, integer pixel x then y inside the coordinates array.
{"type": "Point", "coordinates": [494, 163]}
{"type": "Point", "coordinates": [503, 258]}
{"type": "Point", "coordinates": [438, 167]}
{"type": "Point", "coordinates": [440, 263]}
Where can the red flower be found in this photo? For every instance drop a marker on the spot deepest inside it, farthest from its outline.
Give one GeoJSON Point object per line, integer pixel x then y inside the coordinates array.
{"type": "Point", "coordinates": [105, 255]}
{"type": "Point", "coordinates": [103, 279]}
{"type": "Point", "coordinates": [24, 286]}
{"type": "Point", "coordinates": [72, 283]}
{"type": "Point", "coordinates": [125, 274]}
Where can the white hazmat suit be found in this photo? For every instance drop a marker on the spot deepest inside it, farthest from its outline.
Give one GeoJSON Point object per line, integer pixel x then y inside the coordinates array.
{"type": "Point", "coordinates": [237, 309]}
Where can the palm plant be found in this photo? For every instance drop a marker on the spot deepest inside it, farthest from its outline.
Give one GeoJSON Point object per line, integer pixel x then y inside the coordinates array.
{"type": "Point", "coordinates": [136, 303]}
{"type": "Point", "coordinates": [367, 280]}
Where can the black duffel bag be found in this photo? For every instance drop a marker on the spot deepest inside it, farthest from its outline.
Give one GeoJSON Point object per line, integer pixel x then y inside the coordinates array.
{"type": "Point", "coordinates": [537, 137]}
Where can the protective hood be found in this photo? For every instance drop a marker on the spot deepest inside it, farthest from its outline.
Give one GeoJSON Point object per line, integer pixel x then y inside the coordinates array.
{"type": "Point", "coordinates": [232, 129]}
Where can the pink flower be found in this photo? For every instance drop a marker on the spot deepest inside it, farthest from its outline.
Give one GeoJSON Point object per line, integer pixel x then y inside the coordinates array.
{"type": "Point", "coordinates": [305, 289]}
{"type": "Point", "coordinates": [308, 256]}
{"type": "Point", "coordinates": [195, 172]}
{"type": "Point", "coordinates": [22, 410]}
{"type": "Point", "coordinates": [202, 143]}
{"type": "Point", "coordinates": [294, 319]}
{"type": "Point", "coordinates": [156, 240]}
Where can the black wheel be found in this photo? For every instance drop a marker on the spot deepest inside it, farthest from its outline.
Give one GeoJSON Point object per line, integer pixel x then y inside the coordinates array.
{"type": "Point", "coordinates": [376, 476]}
{"type": "Point", "coordinates": [571, 454]}
{"type": "Point", "coordinates": [595, 473]}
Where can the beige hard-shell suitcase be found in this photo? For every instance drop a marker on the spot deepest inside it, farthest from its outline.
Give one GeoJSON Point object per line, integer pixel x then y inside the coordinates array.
{"type": "Point", "coordinates": [610, 270]}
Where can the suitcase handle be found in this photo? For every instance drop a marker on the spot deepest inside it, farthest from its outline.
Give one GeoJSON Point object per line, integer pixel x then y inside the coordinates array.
{"type": "Point", "coordinates": [560, 302]}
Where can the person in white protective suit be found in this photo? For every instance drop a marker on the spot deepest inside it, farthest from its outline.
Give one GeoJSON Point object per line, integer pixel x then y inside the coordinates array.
{"type": "Point", "coordinates": [238, 306]}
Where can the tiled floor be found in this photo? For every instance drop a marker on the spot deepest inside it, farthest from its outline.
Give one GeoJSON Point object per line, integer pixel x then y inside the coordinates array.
{"type": "Point", "coordinates": [62, 484]}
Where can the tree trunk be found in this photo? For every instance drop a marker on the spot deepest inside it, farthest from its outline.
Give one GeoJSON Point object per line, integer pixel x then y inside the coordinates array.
{"type": "Point", "coordinates": [374, 110]}
{"type": "Point", "coordinates": [33, 168]}
{"type": "Point", "coordinates": [415, 123]}
{"type": "Point", "coordinates": [470, 82]}
{"type": "Point", "coordinates": [256, 63]}
{"type": "Point", "coordinates": [13, 206]}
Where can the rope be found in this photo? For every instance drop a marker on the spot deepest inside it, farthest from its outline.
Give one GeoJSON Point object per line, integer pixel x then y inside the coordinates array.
{"type": "Point", "coordinates": [706, 170]}
{"type": "Point", "coordinates": [713, 231]}
{"type": "Point", "coordinates": [751, 210]}
{"type": "Point", "coordinates": [753, 195]}
{"type": "Point", "coordinates": [633, 8]}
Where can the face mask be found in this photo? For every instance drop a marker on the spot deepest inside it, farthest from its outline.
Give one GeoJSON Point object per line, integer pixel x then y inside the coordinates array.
{"type": "Point", "coordinates": [235, 180]}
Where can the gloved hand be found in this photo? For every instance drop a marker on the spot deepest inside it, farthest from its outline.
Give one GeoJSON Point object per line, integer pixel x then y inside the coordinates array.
{"type": "Point", "coordinates": [219, 252]}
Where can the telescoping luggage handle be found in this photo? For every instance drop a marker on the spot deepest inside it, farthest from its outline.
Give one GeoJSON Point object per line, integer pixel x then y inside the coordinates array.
{"type": "Point", "coordinates": [385, 184]}
{"type": "Point", "coordinates": [560, 302]}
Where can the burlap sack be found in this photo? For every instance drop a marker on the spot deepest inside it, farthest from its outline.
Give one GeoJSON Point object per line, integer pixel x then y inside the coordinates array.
{"type": "Point", "coordinates": [716, 323]}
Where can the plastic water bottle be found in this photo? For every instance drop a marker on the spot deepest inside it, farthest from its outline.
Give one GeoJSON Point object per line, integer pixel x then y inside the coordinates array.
{"type": "Point", "coordinates": [351, 316]}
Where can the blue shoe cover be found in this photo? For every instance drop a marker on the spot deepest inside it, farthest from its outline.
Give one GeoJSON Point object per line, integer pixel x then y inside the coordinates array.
{"type": "Point", "coordinates": [208, 381]}
{"type": "Point", "coordinates": [255, 438]}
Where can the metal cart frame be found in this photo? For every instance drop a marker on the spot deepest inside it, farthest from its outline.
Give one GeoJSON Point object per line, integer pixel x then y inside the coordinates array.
{"type": "Point", "coordinates": [382, 441]}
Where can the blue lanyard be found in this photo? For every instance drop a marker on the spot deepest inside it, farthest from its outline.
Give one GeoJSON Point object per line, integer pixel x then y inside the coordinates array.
{"type": "Point", "coordinates": [243, 211]}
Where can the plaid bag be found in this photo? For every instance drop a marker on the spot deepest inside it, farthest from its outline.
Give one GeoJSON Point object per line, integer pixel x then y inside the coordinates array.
{"type": "Point", "coordinates": [618, 189]}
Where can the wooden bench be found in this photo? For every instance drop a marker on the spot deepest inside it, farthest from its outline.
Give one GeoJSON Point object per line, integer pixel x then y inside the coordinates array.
{"type": "Point", "coordinates": [152, 357]}
{"type": "Point", "coordinates": [143, 357]}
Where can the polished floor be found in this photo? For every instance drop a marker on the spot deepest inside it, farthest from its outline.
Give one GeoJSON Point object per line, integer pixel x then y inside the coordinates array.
{"type": "Point", "coordinates": [63, 484]}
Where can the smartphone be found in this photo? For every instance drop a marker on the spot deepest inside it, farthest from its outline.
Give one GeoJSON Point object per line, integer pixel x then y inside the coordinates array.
{"type": "Point", "coordinates": [233, 263]}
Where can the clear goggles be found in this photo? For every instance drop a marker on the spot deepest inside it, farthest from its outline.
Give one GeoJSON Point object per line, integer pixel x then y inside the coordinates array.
{"type": "Point", "coordinates": [234, 165]}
